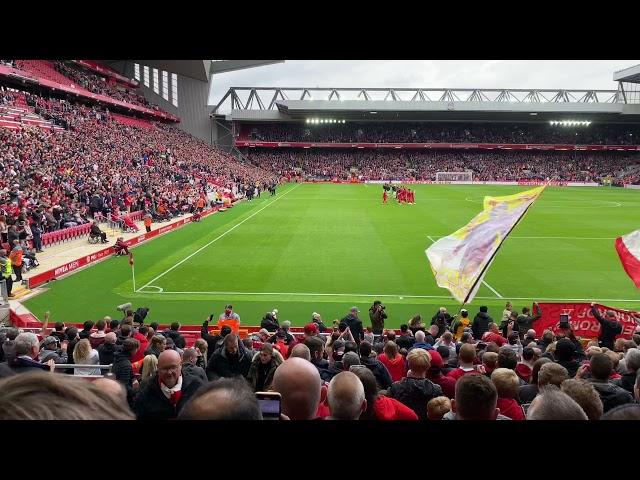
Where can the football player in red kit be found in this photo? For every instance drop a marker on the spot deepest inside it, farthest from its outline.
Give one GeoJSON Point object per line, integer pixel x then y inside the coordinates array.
{"type": "Point", "coordinates": [384, 196]}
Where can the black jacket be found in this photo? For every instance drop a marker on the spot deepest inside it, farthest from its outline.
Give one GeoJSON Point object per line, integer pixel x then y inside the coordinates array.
{"type": "Point", "coordinates": [525, 322]}
{"type": "Point", "coordinates": [610, 394]}
{"type": "Point", "coordinates": [480, 325]}
{"type": "Point", "coordinates": [177, 338]}
{"type": "Point", "coordinates": [442, 321]}
{"type": "Point", "coordinates": [405, 342]}
{"type": "Point", "coordinates": [212, 340]}
{"type": "Point", "coordinates": [23, 365]}
{"type": "Point", "coordinates": [106, 353]}
{"type": "Point", "coordinates": [571, 366]}
{"type": "Point", "coordinates": [383, 377]}
{"type": "Point", "coordinates": [194, 371]}
{"type": "Point", "coordinates": [627, 381]}
{"type": "Point", "coordinates": [355, 326]}
{"type": "Point", "coordinates": [527, 393]}
{"type": "Point", "coordinates": [608, 331]}
{"type": "Point", "coordinates": [151, 404]}
{"type": "Point", "coordinates": [123, 371]}
{"type": "Point", "coordinates": [270, 323]}
{"type": "Point", "coordinates": [415, 393]}
{"type": "Point", "coordinates": [220, 365]}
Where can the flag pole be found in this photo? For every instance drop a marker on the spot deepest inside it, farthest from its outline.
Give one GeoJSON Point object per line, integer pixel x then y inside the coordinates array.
{"type": "Point", "coordinates": [486, 267]}
{"type": "Point", "coordinates": [133, 275]}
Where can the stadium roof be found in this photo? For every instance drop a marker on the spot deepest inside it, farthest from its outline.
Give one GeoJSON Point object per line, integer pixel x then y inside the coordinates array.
{"type": "Point", "coordinates": [199, 69]}
{"type": "Point", "coordinates": [273, 103]}
{"type": "Point", "coordinates": [629, 75]}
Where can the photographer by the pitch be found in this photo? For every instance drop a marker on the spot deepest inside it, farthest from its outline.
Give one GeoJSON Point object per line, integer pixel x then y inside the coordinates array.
{"type": "Point", "coordinates": [377, 315]}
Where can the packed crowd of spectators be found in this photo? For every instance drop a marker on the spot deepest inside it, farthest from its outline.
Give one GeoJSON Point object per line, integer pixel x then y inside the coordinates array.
{"type": "Point", "coordinates": [56, 179]}
{"type": "Point", "coordinates": [409, 132]}
{"type": "Point", "coordinates": [423, 165]}
{"type": "Point", "coordinates": [101, 86]}
{"type": "Point", "coordinates": [457, 368]}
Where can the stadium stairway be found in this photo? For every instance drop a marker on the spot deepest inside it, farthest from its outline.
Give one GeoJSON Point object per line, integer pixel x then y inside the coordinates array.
{"type": "Point", "coordinates": [13, 116]}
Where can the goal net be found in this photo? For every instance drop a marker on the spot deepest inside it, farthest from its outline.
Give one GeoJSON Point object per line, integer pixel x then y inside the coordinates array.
{"type": "Point", "coordinates": [446, 177]}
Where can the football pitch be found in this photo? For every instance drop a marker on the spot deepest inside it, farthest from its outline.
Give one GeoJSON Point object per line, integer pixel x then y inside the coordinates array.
{"type": "Point", "coordinates": [326, 247]}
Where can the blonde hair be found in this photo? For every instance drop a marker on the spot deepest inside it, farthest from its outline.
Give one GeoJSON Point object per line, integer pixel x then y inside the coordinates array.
{"type": "Point", "coordinates": [615, 358]}
{"type": "Point", "coordinates": [419, 360]}
{"type": "Point", "coordinates": [506, 382]}
{"type": "Point", "coordinates": [490, 359]}
{"type": "Point", "coordinates": [391, 350]}
{"type": "Point", "coordinates": [149, 366]}
{"type": "Point", "coordinates": [438, 407]}
{"type": "Point", "coordinates": [551, 348]}
{"type": "Point", "coordinates": [82, 352]}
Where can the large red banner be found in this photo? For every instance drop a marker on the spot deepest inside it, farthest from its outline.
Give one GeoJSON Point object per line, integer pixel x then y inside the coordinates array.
{"type": "Point", "coordinates": [582, 320]}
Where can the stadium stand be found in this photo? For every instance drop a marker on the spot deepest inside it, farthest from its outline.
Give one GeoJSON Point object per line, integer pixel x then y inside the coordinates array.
{"type": "Point", "coordinates": [68, 162]}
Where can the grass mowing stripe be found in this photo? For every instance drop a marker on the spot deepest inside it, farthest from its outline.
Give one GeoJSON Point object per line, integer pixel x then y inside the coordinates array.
{"type": "Point", "coordinates": [215, 239]}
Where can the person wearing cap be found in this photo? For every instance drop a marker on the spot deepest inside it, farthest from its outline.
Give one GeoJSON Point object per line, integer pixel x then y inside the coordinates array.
{"type": "Point", "coordinates": [383, 377]}
{"type": "Point", "coordinates": [337, 354]}
{"type": "Point", "coordinates": [311, 330]}
{"type": "Point", "coordinates": [50, 351]}
{"type": "Point", "coordinates": [229, 314]}
{"type": "Point", "coordinates": [354, 324]}
{"type": "Point", "coordinates": [459, 323]}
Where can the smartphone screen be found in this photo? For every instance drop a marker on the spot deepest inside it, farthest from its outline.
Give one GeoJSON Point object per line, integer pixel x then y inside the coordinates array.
{"type": "Point", "coordinates": [269, 405]}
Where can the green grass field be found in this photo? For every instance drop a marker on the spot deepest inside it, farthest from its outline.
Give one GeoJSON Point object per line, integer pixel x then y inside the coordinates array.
{"type": "Point", "coordinates": [327, 247]}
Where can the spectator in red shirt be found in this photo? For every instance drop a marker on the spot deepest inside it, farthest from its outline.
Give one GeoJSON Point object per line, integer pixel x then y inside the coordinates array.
{"type": "Point", "coordinates": [493, 335]}
{"type": "Point", "coordinates": [435, 374]}
{"type": "Point", "coordinates": [380, 407]}
{"type": "Point", "coordinates": [466, 358]}
{"type": "Point", "coordinates": [506, 383]}
{"type": "Point", "coordinates": [394, 362]}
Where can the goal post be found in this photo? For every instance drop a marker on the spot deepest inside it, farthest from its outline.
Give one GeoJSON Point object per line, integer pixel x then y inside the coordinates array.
{"type": "Point", "coordinates": [448, 177]}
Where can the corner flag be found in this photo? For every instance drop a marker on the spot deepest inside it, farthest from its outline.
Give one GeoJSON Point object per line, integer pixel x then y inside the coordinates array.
{"type": "Point", "coordinates": [131, 259]}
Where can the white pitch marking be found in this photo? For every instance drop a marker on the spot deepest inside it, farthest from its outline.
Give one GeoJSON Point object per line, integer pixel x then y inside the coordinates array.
{"type": "Point", "coordinates": [216, 239]}
{"type": "Point", "coordinates": [543, 238]}
{"type": "Point", "coordinates": [484, 283]}
{"type": "Point", "coordinates": [300, 294]}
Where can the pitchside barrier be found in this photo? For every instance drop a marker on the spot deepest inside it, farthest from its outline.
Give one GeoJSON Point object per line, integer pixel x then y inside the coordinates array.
{"type": "Point", "coordinates": [581, 320]}
{"type": "Point", "coordinates": [79, 263]}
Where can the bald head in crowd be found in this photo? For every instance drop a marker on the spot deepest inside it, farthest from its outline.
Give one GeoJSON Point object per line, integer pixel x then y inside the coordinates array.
{"type": "Point", "coordinates": [298, 381]}
{"type": "Point", "coordinates": [552, 404]}
{"type": "Point", "coordinates": [420, 336]}
{"type": "Point", "coordinates": [346, 397]}
{"type": "Point", "coordinates": [300, 350]}
{"type": "Point", "coordinates": [110, 337]}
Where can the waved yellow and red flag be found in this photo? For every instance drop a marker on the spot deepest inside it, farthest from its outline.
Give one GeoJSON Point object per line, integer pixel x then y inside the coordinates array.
{"type": "Point", "coordinates": [459, 261]}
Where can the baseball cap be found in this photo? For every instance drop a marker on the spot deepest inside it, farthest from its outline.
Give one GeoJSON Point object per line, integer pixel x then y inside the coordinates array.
{"type": "Point", "coordinates": [230, 307]}
{"type": "Point", "coordinates": [311, 329]}
{"type": "Point", "coordinates": [50, 340]}
{"type": "Point", "coordinates": [355, 309]}
{"type": "Point", "coordinates": [464, 310]}
{"type": "Point", "coordinates": [338, 350]}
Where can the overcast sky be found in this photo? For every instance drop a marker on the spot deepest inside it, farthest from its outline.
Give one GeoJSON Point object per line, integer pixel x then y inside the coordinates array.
{"type": "Point", "coordinates": [566, 74]}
